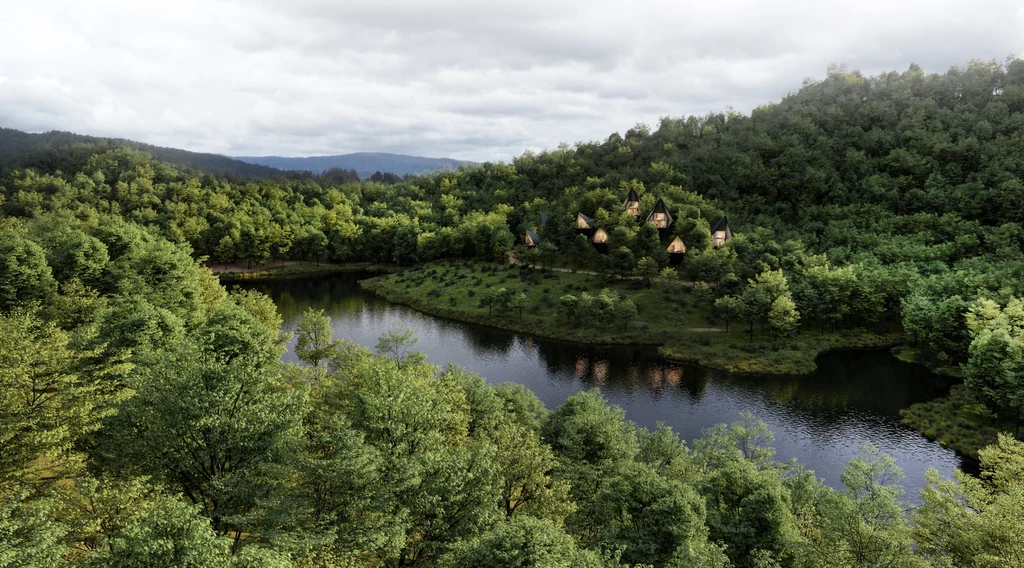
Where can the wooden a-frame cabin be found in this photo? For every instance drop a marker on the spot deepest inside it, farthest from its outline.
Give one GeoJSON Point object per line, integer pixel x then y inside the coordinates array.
{"type": "Point", "coordinates": [660, 217]}
{"type": "Point", "coordinates": [532, 239]}
{"type": "Point", "coordinates": [632, 203]}
{"type": "Point", "coordinates": [600, 240]}
{"type": "Point", "coordinates": [584, 224]}
{"type": "Point", "coordinates": [676, 249]}
{"type": "Point", "coordinates": [720, 232]}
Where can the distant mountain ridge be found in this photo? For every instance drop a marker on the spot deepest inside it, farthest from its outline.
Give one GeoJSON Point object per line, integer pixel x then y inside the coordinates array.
{"type": "Point", "coordinates": [364, 163]}
{"type": "Point", "coordinates": [24, 149]}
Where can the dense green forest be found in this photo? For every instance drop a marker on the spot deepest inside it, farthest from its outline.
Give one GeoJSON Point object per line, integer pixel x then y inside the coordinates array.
{"type": "Point", "coordinates": [149, 420]}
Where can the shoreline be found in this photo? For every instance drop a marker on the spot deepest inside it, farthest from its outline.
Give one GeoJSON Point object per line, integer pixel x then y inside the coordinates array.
{"type": "Point", "coordinates": [295, 269]}
{"type": "Point", "coordinates": [726, 351]}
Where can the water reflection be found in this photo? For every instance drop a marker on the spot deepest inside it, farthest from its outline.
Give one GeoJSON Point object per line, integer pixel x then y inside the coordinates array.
{"type": "Point", "coordinates": [820, 419]}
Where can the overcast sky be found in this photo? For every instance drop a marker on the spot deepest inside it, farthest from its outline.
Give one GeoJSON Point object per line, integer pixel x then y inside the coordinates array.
{"type": "Point", "coordinates": [470, 79]}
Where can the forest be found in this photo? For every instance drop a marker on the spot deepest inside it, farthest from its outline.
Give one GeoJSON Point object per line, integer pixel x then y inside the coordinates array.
{"type": "Point", "coordinates": [150, 421]}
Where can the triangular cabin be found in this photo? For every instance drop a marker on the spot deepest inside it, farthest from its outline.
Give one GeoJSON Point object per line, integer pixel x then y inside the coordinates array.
{"type": "Point", "coordinates": [543, 218]}
{"type": "Point", "coordinates": [532, 239]}
{"type": "Point", "coordinates": [660, 217]}
{"type": "Point", "coordinates": [720, 232]}
{"type": "Point", "coordinates": [600, 240]}
{"type": "Point", "coordinates": [676, 249]}
{"type": "Point", "coordinates": [584, 224]}
{"type": "Point", "coordinates": [632, 204]}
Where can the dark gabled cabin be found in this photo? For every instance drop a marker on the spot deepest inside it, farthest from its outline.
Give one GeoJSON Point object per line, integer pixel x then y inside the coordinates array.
{"type": "Point", "coordinates": [660, 217]}
{"type": "Point", "coordinates": [720, 232]}
{"type": "Point", "coordinates": [600, 240]}
{"type": "Point", "coordinates": [543, 218]}
{"type": "Point", "coordinates": [676, 250]}
{"type": "Point", "coordinates": [584, 224]}
{"type": "Point", "coordinates": [632, 204]}
{"type": "Point", "coordinates": [532, 239]}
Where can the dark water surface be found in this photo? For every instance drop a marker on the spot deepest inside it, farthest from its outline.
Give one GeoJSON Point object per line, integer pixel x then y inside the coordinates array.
{"type": "Point", "coordinates": [820, 419]}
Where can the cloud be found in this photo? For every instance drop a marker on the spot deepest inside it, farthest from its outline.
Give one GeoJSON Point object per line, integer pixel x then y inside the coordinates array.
{"type": "Point", "coordinates": [459, 78]}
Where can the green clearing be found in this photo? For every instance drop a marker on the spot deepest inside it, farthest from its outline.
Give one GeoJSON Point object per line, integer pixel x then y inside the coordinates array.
{"type": "Point", "coordinates": [668, 315]}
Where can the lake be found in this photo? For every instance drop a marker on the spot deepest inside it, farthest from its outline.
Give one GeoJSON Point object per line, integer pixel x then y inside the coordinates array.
{"type": "Point", "coordinates": [820, 419]}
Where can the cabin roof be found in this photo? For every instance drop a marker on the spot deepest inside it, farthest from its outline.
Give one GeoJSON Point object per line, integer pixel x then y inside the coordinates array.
{"type": "Point", "coordinates": [543, 218]}
{"type": "Point", "coordinates": [721, 225]}
{"type": "Point", "coordinates": [673, 242]}
{"type": "Point", "coordinates": [631, 197]}
{"type": "Point", "coordinates": [659, 207]}
{"type": "Point", "coordinates": [586, 219]}
{"type": "Point", "coordinates": [533, 236]}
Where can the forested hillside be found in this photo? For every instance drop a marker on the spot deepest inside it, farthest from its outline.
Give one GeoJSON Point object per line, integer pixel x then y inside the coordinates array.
{"type": "Point", "coordinates": [149, 420]}
{"type": "Point", "coordinates": [49, 151]}
{"type": "Point", "coordinates": [364, 163]}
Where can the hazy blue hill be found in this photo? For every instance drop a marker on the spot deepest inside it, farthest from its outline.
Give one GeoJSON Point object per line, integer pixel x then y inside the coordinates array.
{"type": "Point", "coordinates": [364, 163]}
{"type": "Point", "coordinates": [20, 149]}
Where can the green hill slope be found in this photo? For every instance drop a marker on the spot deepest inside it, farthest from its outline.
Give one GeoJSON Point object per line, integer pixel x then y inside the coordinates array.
{"type": "Point", "coordinates": [62, 150]}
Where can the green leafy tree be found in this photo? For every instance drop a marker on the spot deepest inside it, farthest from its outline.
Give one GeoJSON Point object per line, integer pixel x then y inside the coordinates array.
{"type": "Point", "coordinates": [523, 542]}
{"type": "Point", "coordinates": [395, 344]}
{"type": "Point", "coordinates": [975, 522]}
{"type": "Point", "coordinates": [783, 318]}
{"type": "Point", "coordinates": [729, 308]}
{"type": "Point", "coordinates": [703, 295]}
{"type": "Point", "coordinates": [646, 268]}
{"type": "Point", "coordinates": [864, 523]}
{"type": "Point", "coordinates": [518, 303]}
{"type": "Point", "coordinates": [994, 373]}
{"type": "Point", "coordinates": [314, 342]}
{"type": "Point", "coordinates": [24, 274]}
{"type": "Point", "coordinates": [207, 424]}
{"type": "Point", "coordinates": [625, 313]}
{"type": "Point", "coordinates": [52, 394]}
{"type": "Point", "coordinates": [569, 308]}
{"type": "Point", "coordinates": [31, 533]}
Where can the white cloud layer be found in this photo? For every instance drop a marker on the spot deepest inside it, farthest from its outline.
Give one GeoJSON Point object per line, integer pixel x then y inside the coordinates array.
{"type": "Point", "coordinates": [470, 79]}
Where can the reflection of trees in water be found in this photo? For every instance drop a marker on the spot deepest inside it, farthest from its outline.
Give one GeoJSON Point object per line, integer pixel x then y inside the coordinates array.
{"type": "Point", "coordinates": [338, 295]}
{"type": "Point", "coordinates": [622, 369]}
{"type": "Point", "coordinates": [847, 381]}
{"type": "Point", "coordinates": [844, 383]}
{"type": "Point", "coordinates": [487, 342]}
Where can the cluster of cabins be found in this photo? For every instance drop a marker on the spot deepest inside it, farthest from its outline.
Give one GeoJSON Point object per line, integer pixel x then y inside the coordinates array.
{"type": "Point", "coordinates": [659, 217]}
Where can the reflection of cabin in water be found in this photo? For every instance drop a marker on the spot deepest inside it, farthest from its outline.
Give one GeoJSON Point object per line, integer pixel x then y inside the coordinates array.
{"type": "Point", "coordinates": [720, 232]}
{"type": "Point", "coordinates": [532, 239]}
{"type": "Point", "coordinates": [660, 217]}
{"type": "Point", "coordinates": [600, 240]}
{"type": "Point", "coordinates": [584, 224]}
{"type": "Point", "coordinates": [676, 249]}
{"type": "Point", "coordinates": [632, 204]}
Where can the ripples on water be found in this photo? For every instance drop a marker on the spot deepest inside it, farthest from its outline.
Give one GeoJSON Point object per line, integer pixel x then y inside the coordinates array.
{"type": "Point", "coordinates": [820, 419]}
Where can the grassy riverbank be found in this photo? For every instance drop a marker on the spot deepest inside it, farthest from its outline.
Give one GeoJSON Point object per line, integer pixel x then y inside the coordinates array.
{"type": "Point", "coordinates": [951, 422]}
{"type": "Point", "coordinates": [669, 315]}
{"type": "Point", "coordinates": [294, 270]}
